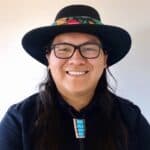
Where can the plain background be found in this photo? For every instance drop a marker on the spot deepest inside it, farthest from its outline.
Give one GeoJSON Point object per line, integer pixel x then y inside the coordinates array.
{"type": "Point", "coordinates": [20, 75]}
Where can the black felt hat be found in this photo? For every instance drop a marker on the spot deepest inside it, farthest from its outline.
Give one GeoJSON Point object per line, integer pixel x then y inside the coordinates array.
{"type": "Point", "coordinates": [78, 18]}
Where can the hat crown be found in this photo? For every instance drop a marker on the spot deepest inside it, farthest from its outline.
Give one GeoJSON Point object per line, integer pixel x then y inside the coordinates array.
{"type": "Point", "coordinates": [78, 18]}
{"type": "Point", "coordinates": [76, 11]}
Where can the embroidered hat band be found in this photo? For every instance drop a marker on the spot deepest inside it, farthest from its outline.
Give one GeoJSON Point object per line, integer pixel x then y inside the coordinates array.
{"type": "Point", "coordinates": [76, 21]}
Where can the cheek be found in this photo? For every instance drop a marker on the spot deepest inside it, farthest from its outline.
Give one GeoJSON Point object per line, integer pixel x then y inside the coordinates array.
{"type": "Point", "coordinates": [103, 62]}
{"type": "Point", "coordinates": [52, 61]}
{"type": "Point", "coordinates": [54, 68]}
{"type": "Point", "coordinates": [55, 65]}
{"type": "Point", "coordinates": [98, 67]}
{"type": "Point", "coordinates": [99, 63]}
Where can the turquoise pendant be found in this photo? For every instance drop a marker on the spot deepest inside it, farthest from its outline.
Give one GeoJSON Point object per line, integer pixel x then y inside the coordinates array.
{"type": "Point", "coordinates": [79, 128]}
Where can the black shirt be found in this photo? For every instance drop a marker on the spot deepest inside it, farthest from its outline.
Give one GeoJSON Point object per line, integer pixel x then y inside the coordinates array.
{"type": "Point", "coordinates": [15, 126]}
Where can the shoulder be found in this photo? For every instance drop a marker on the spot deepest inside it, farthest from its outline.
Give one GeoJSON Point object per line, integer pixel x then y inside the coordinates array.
{"type": "Point", "coordinates": [129, 111]}
{"type": "Point", "coordinates": [25, 103]}
{"type": "Point", "coordinates": [131, 114]}
{"type": "Point", "coordinates": [16, 123]}
{"type": "Point", "coordinates": [135, 121]}
{"type": "Point", "coordinates": [17, 113]}
{"type": "Point", "coordinates": [126, 105]}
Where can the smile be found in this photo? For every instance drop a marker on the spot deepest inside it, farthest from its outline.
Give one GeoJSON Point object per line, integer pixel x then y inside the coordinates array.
{"type": "Point", "coordinates": [77, 73]}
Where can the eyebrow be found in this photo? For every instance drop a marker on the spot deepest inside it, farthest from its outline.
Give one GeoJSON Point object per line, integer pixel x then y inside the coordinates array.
{"type": "Point", "coordinates": [88, 41]}
{"type": "Point", "coordinates": [94, 41]}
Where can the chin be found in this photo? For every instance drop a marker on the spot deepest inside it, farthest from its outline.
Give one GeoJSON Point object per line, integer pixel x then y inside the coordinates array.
{"type": "Point", "coordinates": [79, 91]}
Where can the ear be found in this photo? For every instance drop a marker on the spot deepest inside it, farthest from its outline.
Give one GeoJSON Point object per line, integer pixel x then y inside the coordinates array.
{"type": "Point", "coordinates": [48, 57]}
{"type": "Point", "coordinates": [105, 60]}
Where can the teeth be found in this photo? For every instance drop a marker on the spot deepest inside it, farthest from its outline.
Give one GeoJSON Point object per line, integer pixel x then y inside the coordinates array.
{"type": "Point", "coordinates": [76, 73]}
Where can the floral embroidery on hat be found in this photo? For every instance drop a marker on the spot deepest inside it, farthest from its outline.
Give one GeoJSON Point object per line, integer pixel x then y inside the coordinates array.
{"type": "Point", "coordinates": [76, 20]}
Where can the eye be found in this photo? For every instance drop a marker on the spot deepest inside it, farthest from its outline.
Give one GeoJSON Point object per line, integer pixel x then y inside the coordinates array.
{"type": "Point", "coordinates": [90, 48]}
{"type": "Point", "coordinates": [63, 47]}
{"type": "Point", "coordinates": [63, 50]}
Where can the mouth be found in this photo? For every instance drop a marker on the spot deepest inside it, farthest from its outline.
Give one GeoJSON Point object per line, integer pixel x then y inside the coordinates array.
{"type": "Point", "coordinates": [76, 73]}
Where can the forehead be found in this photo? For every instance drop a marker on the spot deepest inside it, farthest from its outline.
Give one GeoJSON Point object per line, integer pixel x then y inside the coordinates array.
{"type": "Point", "coordinates": [76, 37]}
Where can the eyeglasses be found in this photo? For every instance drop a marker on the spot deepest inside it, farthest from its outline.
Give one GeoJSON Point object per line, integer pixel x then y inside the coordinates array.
{"type": "Point", "coordinates": [86, 50]}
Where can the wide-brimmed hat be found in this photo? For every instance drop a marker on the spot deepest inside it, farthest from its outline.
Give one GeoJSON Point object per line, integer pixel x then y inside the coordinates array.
{"type": "Point", "coordinates": [78, 18]}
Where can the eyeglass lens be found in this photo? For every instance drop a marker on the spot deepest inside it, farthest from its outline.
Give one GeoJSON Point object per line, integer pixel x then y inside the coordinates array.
{"type": "Point", "coordinates": [66, 50]}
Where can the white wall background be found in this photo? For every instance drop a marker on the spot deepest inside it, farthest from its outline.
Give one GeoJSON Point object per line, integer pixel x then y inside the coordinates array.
{"type": "Point", "coordinates": [20, 74]}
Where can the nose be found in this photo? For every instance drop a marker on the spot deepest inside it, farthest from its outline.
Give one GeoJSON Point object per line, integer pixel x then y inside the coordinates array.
{"type": "Point", "coordinates": [77, 58]}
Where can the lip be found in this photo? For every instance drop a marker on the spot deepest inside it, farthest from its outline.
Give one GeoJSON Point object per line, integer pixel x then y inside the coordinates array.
{"type": "Point", "coordinates": [76, 73]}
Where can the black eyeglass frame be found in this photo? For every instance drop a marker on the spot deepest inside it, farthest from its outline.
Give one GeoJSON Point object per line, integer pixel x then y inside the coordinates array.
{"type": "Point", "coordinates": [76, 47]}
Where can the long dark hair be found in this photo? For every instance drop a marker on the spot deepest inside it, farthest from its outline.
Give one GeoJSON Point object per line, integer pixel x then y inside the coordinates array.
{"type": "Point", "coordinates": [46, 133]}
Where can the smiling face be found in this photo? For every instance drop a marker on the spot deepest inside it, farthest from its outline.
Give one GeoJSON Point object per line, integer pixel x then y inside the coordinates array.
{"type": "Point", "coordinates": [76, 76]}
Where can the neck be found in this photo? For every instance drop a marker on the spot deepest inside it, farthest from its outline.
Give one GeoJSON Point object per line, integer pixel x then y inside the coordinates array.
{"type": "Point", "coordinates": [78, 101]}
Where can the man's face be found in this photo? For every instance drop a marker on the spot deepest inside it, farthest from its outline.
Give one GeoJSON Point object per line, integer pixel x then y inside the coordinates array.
{"type": "Point", "coordinates": [76, 75]}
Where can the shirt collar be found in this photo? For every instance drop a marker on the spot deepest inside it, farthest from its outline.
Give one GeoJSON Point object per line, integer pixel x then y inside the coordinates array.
{"type": "Point", "coordinates": [85, 112]}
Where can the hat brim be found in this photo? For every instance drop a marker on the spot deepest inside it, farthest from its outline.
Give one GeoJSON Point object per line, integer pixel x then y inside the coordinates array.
{"type": "Point", "coordinates": [115, 40]}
